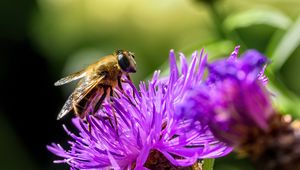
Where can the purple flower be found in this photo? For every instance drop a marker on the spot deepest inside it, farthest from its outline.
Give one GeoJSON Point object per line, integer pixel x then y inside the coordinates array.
{"type": "Point", "coordinates": [140, 129]}
{"type": "Point", "coordinates": [233, 99]}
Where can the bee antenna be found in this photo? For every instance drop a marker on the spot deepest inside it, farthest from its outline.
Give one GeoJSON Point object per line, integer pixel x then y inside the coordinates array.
{"type": "Point", "coordinates": [118, 51]}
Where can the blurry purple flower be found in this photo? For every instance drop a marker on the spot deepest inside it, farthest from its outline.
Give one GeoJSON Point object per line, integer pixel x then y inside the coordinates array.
{"type": "Point", "coordinates": [140, 129]}
{"type": "Point", "coordinates": [233, 100]}
{"type": "Point", "coordinates": [236, 105]}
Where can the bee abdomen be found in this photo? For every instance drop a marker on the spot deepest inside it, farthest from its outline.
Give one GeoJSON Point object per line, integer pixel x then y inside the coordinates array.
{"type": "Point", "coordinates": [82, 108]}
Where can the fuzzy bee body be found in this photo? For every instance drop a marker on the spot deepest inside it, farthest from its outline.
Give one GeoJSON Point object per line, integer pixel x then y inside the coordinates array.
{"type": "Point", "coordinates": [97, 83]}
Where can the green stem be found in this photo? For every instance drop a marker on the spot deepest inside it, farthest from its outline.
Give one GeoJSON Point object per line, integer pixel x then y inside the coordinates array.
{"type": "Point", "coordinates": [217, 19]}
{"type": "Point", "coordinates": [208, 164]}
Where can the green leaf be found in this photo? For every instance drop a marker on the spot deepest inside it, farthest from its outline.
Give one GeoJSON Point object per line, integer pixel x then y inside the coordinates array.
{"type": "Point", "coordinates": [251, 17]}
{"type": "Point", "coordinates": [287, 45]}
{"type": "Point", "coordinates": [274, 41]}
{"type": "Point", "coordinates": [208, 164]}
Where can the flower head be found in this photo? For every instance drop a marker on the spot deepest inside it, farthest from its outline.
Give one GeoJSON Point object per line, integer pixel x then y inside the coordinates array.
{"type": "Point", "coordinates": [140, 129]}
{"type": "Point", "coordinates": [233, 99]}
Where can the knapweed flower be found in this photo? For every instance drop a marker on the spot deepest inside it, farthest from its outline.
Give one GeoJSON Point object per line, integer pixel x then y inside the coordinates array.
{"type": "Point", "coordinates": [233, 97]}
{"type": "Point", "coordinates": [139, 128]}
{"type": "Point", "coordinates": [234, 102]}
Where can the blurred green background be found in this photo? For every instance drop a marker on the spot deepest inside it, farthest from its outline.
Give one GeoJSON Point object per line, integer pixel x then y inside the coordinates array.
{"type": "Point", "coordinates": [43, 40]}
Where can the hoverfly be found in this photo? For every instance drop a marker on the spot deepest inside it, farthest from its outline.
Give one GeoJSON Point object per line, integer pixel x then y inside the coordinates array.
{"type": "Point", "coordinates": [97, 82]}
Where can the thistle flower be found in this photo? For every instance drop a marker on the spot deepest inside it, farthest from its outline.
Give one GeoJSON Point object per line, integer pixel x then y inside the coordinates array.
{"type": "Point", "coordinates": [140, 130]}
{"type": "Point", "coordinates": [238, 100]}
{"type": "Point", "coordinates": [236, 105]}
{"type": "Point", "coordinates": [233, 98]}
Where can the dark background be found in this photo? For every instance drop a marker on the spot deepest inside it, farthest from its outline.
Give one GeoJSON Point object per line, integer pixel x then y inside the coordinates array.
{"type": "Point", "coordinates": [28, 99]}
{"type": "Point", "coordinates": [41, 41]}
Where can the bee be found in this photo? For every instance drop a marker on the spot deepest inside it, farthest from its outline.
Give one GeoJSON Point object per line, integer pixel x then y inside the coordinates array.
{"type": "Point", "coordinates": [97, 82]}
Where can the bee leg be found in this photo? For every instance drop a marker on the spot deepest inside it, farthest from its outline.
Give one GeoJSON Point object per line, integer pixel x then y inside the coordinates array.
{"type": "Point", "coordinates": [120, 84]}
{"type": "Point", "coordinates": [111, 92]}
{"type": "Point", "coordinates": [122, 90]}
{"type": "Point", "coordinates": [91, 110]}
{"type": "Point", "coordinates": [128, 77]}
{"type": "Point", "coordinates": [133, 94]}
{"type": "Point", "coordinates": [114, 113]}
{"type": "Point", "coordinates": [99, 103]}
{"type": "Point", "coordinates": [106, 118]}
{"type": "Point", "coordinates": [90, 127]}
{"type": "Point", "coordinates": [117, 95]}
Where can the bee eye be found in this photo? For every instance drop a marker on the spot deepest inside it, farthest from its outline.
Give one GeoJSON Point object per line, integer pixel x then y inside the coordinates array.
{"type": "Point", "coordinates": [127, 63]}
{"type": "Point", "coordinates": [123, 62]}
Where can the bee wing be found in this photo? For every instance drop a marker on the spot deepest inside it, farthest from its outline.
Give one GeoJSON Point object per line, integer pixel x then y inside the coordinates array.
{"type": "Point", "coordinates": [70, 78]}
{"type": "Point", "coordinates": [80, 92]}
{"type": "Point", "coordinates": [67, 107]}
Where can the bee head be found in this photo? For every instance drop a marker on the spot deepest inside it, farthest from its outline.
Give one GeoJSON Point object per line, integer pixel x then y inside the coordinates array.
{"type": "Point", "coordinates": [126, 61]}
